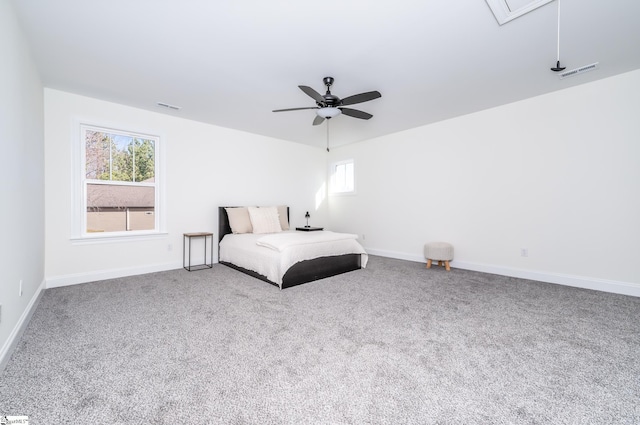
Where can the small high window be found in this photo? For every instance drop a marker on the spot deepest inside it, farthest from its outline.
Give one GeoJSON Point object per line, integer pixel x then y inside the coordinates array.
{"type": "Point", "coordinates": [342, 177]}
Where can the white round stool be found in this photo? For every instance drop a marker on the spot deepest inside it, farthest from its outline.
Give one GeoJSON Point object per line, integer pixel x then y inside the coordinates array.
{"type": "Point", "coordinates": [440, 252]}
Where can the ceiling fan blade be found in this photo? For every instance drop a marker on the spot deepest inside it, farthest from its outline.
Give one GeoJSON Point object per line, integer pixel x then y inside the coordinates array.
{"type": "Point", "coordinates": [362, 97]}
{"type": "Point", "coordinates": [356, 113]}
{"type": "Point", "coordinates": [293, 109]}
{"type": "Point", "coordinates": [312, 93]}
{"type": "Point", "coordinates": [318, 120]}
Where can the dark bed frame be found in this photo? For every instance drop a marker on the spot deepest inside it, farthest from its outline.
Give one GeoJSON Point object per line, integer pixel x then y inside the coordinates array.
{"type": "Point", "coordinates": [299, 273]}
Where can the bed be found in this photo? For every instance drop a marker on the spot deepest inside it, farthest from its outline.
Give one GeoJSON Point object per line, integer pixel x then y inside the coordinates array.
{"type": "Point", "coordinates": [319, 254]}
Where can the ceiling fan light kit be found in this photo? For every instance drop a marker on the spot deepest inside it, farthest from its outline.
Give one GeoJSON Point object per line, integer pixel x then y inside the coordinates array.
{"type": "Point", "coordinates": [329, 105]}
{"type": "Point", "coordinates": [328, 112]}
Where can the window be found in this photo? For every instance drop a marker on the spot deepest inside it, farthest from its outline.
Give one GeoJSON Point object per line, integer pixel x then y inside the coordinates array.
{"type": "Point", "coordinates": [119, 180]}
{"type": "Point", "coordinates": [507, 10]}
{"type": "Point", "coordinates": [342, 177]}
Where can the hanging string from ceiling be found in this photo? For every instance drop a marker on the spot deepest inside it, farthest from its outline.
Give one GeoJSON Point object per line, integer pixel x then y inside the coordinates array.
{"type": "Point", "coordinates": [328, 135]}
{"type": "Point", "coordinates": [558, 68]}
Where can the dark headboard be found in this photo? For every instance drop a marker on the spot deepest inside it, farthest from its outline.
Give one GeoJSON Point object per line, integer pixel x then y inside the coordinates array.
{"type": "Point", "coordinates": [223, 222]}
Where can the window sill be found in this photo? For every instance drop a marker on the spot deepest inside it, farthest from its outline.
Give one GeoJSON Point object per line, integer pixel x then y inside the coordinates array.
{"type": "Point", "coordinates": [117, 238]}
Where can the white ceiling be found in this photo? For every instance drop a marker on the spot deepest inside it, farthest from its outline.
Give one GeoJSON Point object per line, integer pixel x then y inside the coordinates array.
{"type": "Point", "coordinates": [230, 63]}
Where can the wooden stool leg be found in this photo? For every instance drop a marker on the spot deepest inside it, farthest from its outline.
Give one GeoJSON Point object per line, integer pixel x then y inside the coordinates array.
{"type": "Point", "coordinates": [428, 263]}
{"type": "Point", "coordinates": [439, 262]}
{"type": "Point", "coordinates": [446, 265]}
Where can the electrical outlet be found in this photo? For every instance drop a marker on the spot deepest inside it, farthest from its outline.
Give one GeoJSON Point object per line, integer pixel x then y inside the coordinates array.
{"type": "Point", "coordinates": [170, 247]}
{"type": "Point", "coordinates": [20, 287]}
{"type": "Point", "coordinates": [524, 252]}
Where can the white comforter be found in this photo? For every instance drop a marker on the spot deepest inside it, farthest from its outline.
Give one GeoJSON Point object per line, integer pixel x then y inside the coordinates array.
{"type": "Point", "coordinates": [283, 240]}
{"type": "Point", "coordinates": [273, 254]}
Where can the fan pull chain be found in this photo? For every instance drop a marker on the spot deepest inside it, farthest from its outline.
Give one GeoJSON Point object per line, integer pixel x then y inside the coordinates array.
{"type": "Point", "coordinates": [328, 135]}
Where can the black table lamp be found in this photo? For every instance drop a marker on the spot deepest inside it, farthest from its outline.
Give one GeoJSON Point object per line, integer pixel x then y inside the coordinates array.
{"type": "Point", "coordinates": [306, 215]}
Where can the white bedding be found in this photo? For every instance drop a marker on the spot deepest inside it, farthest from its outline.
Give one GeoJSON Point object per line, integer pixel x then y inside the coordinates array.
{"type": "Point", "coordinates": [283, 240]}
{"type": "Point", "coordinates": [280, 251]}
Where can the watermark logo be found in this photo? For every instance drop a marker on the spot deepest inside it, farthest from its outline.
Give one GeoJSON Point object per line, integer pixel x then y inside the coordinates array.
{"type": "Point", "coordinates": [11, 420]}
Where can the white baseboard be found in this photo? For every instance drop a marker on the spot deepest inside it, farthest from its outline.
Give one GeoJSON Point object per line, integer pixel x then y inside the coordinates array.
{"type": "Point", "coordinates": [394, 254]}
{"type": "Point", "coordinates": [613, 286]}
{"type": "Point", "coordinates": [16, 333]}
{"type": "Point", "coordinates": [74, 279]}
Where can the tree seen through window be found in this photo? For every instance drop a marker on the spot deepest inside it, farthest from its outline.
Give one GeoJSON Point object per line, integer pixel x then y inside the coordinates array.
{"type": "Point", "coordinates": [119, 158]}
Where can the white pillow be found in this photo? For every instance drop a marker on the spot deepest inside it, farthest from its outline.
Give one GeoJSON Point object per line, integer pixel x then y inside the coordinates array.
{"type": "Point", "coordinates": [264, 220]}
{"type": "Point", "coordinates": [239, 220]}
{"type": "Point", "coordinates": [284, 217]}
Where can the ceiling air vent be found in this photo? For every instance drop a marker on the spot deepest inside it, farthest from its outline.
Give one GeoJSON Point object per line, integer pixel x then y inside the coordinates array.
{"type": "Point", "coordinates": [166, 105]}
{"type": "Point", "coordinates": [507, 10]}
{"type": "Point", "coordinates": [580, 70]}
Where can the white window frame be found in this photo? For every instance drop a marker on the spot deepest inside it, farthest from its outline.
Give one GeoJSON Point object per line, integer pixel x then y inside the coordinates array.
{"type": "Point", "coordinates": [79, 232]}
{"type": "Point", "coordinates": [338, 189]}
{"type": "Point", "coordinates": [504, 14]}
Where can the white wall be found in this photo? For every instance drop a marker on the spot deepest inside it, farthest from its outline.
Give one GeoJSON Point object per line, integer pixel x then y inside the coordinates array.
{"type": "Point", "coordinates": [21, 173]}
{"type": "Point", "coordinates": [206, 167]}
{"type": "Point", "coordinates": [557, 174]}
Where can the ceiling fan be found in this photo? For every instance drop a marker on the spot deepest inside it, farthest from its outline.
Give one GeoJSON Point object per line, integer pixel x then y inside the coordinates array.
{"type": "Point", "coordinates": [329, 105]}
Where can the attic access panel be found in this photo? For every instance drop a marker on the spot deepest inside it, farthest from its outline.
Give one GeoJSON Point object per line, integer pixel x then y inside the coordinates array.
{"type": "Point", "coordinates": [508, 10]}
